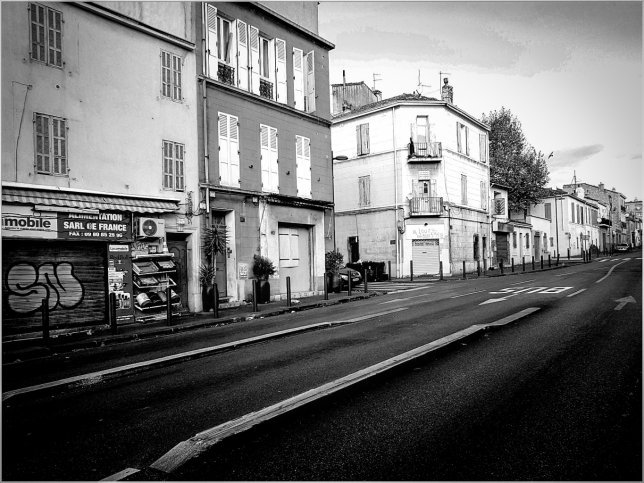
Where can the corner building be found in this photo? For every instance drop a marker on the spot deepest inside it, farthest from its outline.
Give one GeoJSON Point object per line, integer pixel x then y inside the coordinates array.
{"type": "Point", "coordinates": [265, 142]}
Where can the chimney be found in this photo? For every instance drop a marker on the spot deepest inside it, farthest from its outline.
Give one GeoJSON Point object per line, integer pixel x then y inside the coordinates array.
{"type": "Point", "coordinates": [378, 95]}
{"type": "Point", "coordinates": [447, 92]}
{"type": "Point", "coordinates": [601, 186]}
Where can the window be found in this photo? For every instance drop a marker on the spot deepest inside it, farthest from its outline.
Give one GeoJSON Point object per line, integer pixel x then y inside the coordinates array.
{"type": "Point", "coordinates": [229, 150]}
{"type": "Point", "coordinates": [264, 57]}
{"type": "Point", "coordinates": [483, 148]}
{"type": "Point", "coordinates": [422, 129]}
{"type": "Point", "coordinates": [527, 240]}
{"type": "Point", "coordinates": [304, 80]}
{"type": "Point", "coordinates": [280, 71]}
{"type": "Point", "coordinates": [173, 157]}
{"type": "Point", "coordinates": [171, 76]}
{"type": "Point", "coordinates": [483, 196]}
{"type": "Point", "coordinates": [289, 242]}
{"type": "Point", "coordinates": [499, 206]}
{"type": "Point", "coordinates": [269, 161]}
{"type": "Point", "coordinates": [50, 144]}
{"type": "Point", "coordinates": [548, 208]}
{"type": "Point", "coordinates": [362, 136]}
{"type": "Point", "coordinates": [220, 49]}
{"type": "Point", "coordinates": [303, 166]}
{"type": "Point", "coordinates": [514, 239]}
{"type": "Point", "coordinates": [224, 40]}
{"type": "Point", "coordinates": [476, 247]}
{"type": "Point", "coordinates": [426, 188]}
{"type": "Point", "coordinates": [364, 190]}
{"type": "Point", "coordinates": [46, 35]}
{"type": "Point", "coordinates": [552, 242]}
{"type": "Point", "coordinates": [463, 138]}
{"type": "Point", "coordinates": [572, 212]}
{"type": "Point", "coordinates": [463, 189]}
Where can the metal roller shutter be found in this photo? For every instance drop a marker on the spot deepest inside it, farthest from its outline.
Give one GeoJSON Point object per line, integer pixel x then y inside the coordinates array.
{"type": "Point", "coordinates": [71, 274]}
{"type": "Point", "coordinates": [426, 256]}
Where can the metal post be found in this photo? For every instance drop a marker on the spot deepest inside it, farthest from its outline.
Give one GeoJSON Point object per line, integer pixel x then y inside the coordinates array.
{"type": "Point", "coordinates": [349, 283]}
{"type": "Point", "coordinates": [523, 262]}
{"type": "Point", "coordinates": [389, 269]}
{"type": "Point", "coordinates": [440, 269]}
{"type": "Point", "coordinates": [532, 262]}
{"type": "Point", "coordinates": [326, 287]}
{"type": "Point", "coordinates": [254, 295]}
{"type": "Point", "coordinates": [512, 260]}
{"type": "Point", "coordinates": [557, 264]}
{"type": "Point", "coordinates": [549, 261]}
{"type": "Point", "coordinates": [411, 270]}
{"type": "Point", "coordinates": [541, 262]}
{"type": "Point", "coordinates": [365, 280]}
{"type": "Point", "coordinates": [501, 266]}
{"type": "Point", "coordinates": [484, 266]}
{"type": "Point", "coordinates": [112, 313]}
{"type": "Point", "coordinates": [478, 268]}
{"type": "Point", "coordinates": [288, 291]}
{"type": "Point", "coordinates": [45, 320]}
{"type": "Point", "coordinates": [215, 307]}
{"type": "Point", "coordinates": [168, 305]}
{"type": "Point", "coordinates": [568, 254]}
{"type": "Point", "coordinates": [464, 275]}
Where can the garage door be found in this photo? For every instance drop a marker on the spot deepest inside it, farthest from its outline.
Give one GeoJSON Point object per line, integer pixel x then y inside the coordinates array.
{"type": "Point", "coordinates": [426, 256]}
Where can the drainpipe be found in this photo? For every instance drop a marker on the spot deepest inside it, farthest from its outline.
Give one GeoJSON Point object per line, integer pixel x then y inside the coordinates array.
{"type": "Point", "coordinates": [393, 129]}
{"type": "Point", "coordinates": [204, 103]}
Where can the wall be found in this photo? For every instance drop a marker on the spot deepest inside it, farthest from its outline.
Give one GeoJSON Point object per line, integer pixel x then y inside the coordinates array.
{"type": "Point", "coordinates": [304, 14]}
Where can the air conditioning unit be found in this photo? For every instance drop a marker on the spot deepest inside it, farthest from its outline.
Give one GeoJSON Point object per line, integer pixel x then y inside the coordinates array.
{"type": "Point", "coordinates": [151, 227]}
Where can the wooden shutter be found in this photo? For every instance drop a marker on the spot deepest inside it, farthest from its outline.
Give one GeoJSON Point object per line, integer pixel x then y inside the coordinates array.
{"type": "Point", "coordinates": [298, 79]}
{"type": "Point", "coordinates": [467, 140]}
{"type": "Point", "coordinates": [233, 156]}
{"type": "Point", "coordinates": [265, 155]}
{"type": "Point", "coordinates": [303, 166]}
{"type": "Point", "coordinates": [168, 161]}
{"type": "Point", "coordinates": [55, 41]}
{"type": "Point", "coordinates": [41, 132]}
{"type": "Point", "coordinates": [271, 67]}
{"type": "Point", "coordinates": [458, 137]}
{"type": "Point", "coordinates": [483, 196]}
{"type": "Point", "coordinates": [254, 60]}
{"type": "Point", "coordinates": [464, 189]}
{"type": "Point", "coordinates": [224, 150]}
{"type": "Point", "coordinates": [179, 182]}
{"type": "Point", "coordinates": [280, 71]}
{"type": "Point", "coordinates": [432, 188]}
{"type": "Point", "coordinates": [242, 55]}
{"type": "Point", "coordinates": [273, 166]}
{"type": "Point", "coordinates": [211, 41]}
{"type": "Point", "coordinates": [38, 32]}
{"type": "Point", "coordinates": [59, 145]}
{"type": "Point", "coordinates": [483, 147]}
{"type": "Point", "coordinates": [310, 82]}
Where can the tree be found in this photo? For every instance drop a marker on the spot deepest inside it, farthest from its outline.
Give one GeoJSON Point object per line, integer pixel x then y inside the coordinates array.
{"type": "Point", "coordinates": [515, 163]}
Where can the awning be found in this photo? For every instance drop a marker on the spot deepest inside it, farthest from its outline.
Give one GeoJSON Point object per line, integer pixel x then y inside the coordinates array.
{"type": "Point", "coordinates": [82, 201]}
{"type": "Point", "coordinates": [499, 227]}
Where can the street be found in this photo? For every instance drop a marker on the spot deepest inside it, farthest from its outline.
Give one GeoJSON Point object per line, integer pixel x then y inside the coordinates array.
{"type": "Point", "coordinates": [555, 394]}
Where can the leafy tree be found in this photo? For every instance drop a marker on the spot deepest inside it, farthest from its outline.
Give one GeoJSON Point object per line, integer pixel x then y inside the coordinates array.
{"type": "Point", "coordinates": [513, 162]}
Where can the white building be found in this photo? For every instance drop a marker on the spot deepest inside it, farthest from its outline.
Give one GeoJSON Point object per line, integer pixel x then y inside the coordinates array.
{"type": "Point", "coordinates": [414, 186]}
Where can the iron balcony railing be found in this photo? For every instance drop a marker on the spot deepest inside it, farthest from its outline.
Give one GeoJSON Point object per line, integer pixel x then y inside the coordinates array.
{"type": "Point", "coordinates": [425, 206]}
{"type": "Point", "coordinates": [226, 74]}
{"type": "Point", "coordinates": [425, 151]}
{"type": "Point", "coordinates": [265, 89]}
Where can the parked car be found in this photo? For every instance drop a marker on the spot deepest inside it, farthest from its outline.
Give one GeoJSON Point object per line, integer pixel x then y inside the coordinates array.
{"type": "Point", "coordinates": [356, 277]}
{"type": "Point", "coordinates": [623, 247]}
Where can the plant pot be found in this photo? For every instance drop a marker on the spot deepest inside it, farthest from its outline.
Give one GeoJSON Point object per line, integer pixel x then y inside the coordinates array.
{"type": "Point", "coordinates": [207, 297]}
{"type": "Point", "coordinates": [263, 292]}
{"type": "Point", "coordinates": [333, 282]}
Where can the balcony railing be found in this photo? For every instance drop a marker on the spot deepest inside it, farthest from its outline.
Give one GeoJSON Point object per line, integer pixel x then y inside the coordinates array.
{"type": "Point", "coordinates": [265, 89]}
{"type": "Point", "coordinates": [605, 222]}
{"type": "Point", "coordinates": [425, 206]}
{"type": "Point", "coordinates": [226, 74]}
{"type": "Point", "coordinates": [425, 151]}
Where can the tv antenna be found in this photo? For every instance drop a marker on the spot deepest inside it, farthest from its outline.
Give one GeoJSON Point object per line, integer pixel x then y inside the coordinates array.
{"type": "Point", "coordinates": [440, 78]}
{"type": "Point", "coordinates": [421, 85]}
{"type": "Point", "coordinates": [374, 81]}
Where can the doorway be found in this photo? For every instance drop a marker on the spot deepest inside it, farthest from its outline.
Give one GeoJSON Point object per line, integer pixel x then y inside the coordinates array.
{"type": "Point", "coordinates": [221, 276]}
{"type": "Point", "coordinates": [178, 246]}
{"type": "Point", "coordinates": [353, 248]}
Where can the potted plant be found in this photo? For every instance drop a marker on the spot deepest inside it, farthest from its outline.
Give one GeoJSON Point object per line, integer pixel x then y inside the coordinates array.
{"type": "Point", "coordinates": [262, 269]}
{"type": "Point", "coordinates": [333, 261]}
{"type": "Point", "coordinates": [214, 242]}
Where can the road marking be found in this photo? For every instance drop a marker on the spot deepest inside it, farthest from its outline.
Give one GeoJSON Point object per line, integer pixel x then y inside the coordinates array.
{"type": "Point", "coordinates": [100, 376]}
{"type": "Point", "coordinates": [602, 261]}
{"type": "Point", "coordinates": [463, 295]}
{"type": "Point", "coordinates": [400, 300]}
{"type": "Point", "coordinates": [410, 289]}
{"type": "Point", "coordinates": [512, 292]}
{"type": "Point", "coordinates": [563, 274]}
{"type": "Point", "coordinates": [527, 281]}
{"type": "Point", "coordinates": [610, 271]}
{"type": "Point", "coordinates": [577, 292]}
{"type": "Point", "coordinates": [121, 474]}
{"type": "Point", "coordinates": [624, 301]}
{"type": "Point", "coordinates": [201, 442]}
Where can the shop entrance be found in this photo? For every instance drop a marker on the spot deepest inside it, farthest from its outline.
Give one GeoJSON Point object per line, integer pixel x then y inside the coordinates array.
{"type": "Point", "coordinates": [178, 246]}
{"type": "Point", "coordinates": [221, 276]}
{"type": "Point", "coordinates": [426, 256]}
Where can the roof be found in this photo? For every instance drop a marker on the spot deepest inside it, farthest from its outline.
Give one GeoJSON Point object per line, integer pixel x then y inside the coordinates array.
{"type": "Point", "coordinates": [361, 83]}
{"type": "Point", "coordinates": [403, 99]}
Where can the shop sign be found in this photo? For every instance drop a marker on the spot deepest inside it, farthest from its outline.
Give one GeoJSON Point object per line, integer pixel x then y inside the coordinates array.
{"type": "Point", "coordinates": [243, 270]}
{"type": "Point", "coordinates": [102, 226]}
{"type": "Point", "coordinates": [119, 280]}
{"type": "Point", "coordinates": [426, 232]}
{"type": "Point", "coordinates": [23, 222]}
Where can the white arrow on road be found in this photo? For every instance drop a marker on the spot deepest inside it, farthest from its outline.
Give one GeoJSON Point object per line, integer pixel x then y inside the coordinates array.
{"type": "Point", "coordinates": [624, 301]}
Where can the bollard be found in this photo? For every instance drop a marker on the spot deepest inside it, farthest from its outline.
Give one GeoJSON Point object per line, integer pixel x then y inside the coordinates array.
{"type": "Point", "coordinates": [288, 291]}
{"type": "Point", "coordinates": [365, 280]}
{"type": "Point", "coordinates": [549, 261]}
{"type": "Point", "coordinates": [215, 306]}
{"type": "Point", "coordinates": [512, 260]}
{"type": "Point", "coordinates": [568, 254]}
{"type": "Point", "coordinates": [501, 266]}
{"type": "Point", "coordinates": [112, 313]}
{"type": "Point", "coordinates": [541, 262]}
{"type": "Point", "coordinates": [440, 269]}
{"type": "Point", "coordinates": [484, 266]}
{"type": "Point", "coordinates": [349, 283]}
{"type": "Point", "coordinates": [464, 275]}
{"type": "Point", "coordinates": [326, 286]}
{"type": "Point", "coordinates": [478, 268]}
{"type": "Point", "coordinates": [389, 269]}
{"type": "Point", "coordinates": [254, 295]}
{"type": "Point", "coordinates": [523, 262]}
{"type": "Point", "coordinates": [411, 270]}
{"type": "Point", "coordinates": [168, 306]}
{"type": "Point", "coordinates": [557, 264]}
{"type": "Point", "coordinates": [45, 320]}
{"type": "Point", "coordinates": [532, 262]}
{"type": "Point", "coordinates": [589, 255]}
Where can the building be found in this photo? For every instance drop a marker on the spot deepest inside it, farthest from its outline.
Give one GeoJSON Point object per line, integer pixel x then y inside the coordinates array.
{"type": "Point", "coordinates": [352, 95]}
{"type": "Point", "coordinates": [264, 142]}
{"type": "Point", "coordinates": [634, 222]}
{"type": "Point", "coordinates": [414, 187]}
{"type": "Point", "coordinates": [616, 203]}
{"type": "Point", "coordinates": [99, 160]}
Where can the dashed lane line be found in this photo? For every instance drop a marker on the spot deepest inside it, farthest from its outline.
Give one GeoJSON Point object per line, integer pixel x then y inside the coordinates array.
{"type": "Point", "coordinates": [463, 295]}
{"type": "Point", "coordinates": [99, 376]}
{"type": "Point", "coordinates": [611, 271]}
{"type": "Point", "coordinates": [577, 292]}
{"type": "Point", "coordinates": [525, 281]}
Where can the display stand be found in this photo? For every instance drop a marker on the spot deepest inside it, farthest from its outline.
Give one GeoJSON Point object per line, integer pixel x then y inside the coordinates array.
{"type": "Point", "coordinates": [153, 274]}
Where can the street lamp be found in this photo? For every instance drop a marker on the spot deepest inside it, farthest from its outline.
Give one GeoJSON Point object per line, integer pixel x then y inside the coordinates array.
{"type": "Point", "coordinates": [334, 158]}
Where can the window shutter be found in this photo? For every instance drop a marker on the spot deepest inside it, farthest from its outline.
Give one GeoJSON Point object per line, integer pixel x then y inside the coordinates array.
{"type": "Point", "coordinates": [224, 151]}
{"type": "Point", "coordinates": [467, 140]}
{"type": "Point", "coordinates": [303, 158]}
{"type": "Point", "coordinates": [42, 143]}
{"type": "Point", "coordinates": [59, 146]}
{"type": "Point", "coordinates": [211, 41]}
{"type": "Point", "coordinates": [280, 70]}
{"type": "Point", "coordinates": [168, 172]}
{"type": "Point", "coordinates": [483, 196]}
{"type": "Point", "coordinates": [233, 157]}
{"type": "Point", "coordinates": [483, 147]}
{"type": "Point", "coordinates": [432, 187]}
{"type": "Point", "coordinates": [310, 82]}
{"type": "Point", "coordinates": [55, 38]}
{"type": "Point", "coordinates": [358, 140]}
{"type": "Point", "coordinates": [38, 32]}
{"type": "Point", "coordinates": [254, 60]}
{"type": "Point", "coordinates": [265, 156]}
{"type": "Point", "coordinates": [242, 55]}
{"type": "Point", "coordinates": [364, 137]}
{"type": "Point", "coordinates": [298, 80]}
{"type": "Point", "coordinates": [273, 166]}
{"type": "Point", "coordinates": [458, 137]}
{"type": "Point", "coordinates": [271, 67]}
{"type": "Point", "coordinates": [176, 80]}
{"type": "Point", "coordinates": [178, 172]}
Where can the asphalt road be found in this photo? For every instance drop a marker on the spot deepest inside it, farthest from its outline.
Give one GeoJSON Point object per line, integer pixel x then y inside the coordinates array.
{"type": "Point", "coordinates": [90, 433]}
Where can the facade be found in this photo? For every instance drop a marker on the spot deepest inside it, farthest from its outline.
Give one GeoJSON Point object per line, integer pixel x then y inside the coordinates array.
{"type": "Point", "coordinates": [616, 202]}
{"type": "Point", "coordinates": [352, 95]}
{"type": "Point", "coordinates": [414, 187]}
{"type": "Point", "coordinates": [91, 185]}
{"type": "Point", "coordinates": [502, 228]}
{"type": "Point", "coordinates": [634, 222]}
{"type": "Point", "coordinates": [265, 142]}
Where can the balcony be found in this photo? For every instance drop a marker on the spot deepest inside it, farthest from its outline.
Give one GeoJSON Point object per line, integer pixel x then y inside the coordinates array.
{"type": "Point", "coordinates": [423, 152]}
{"type": "Point", "coordinates": [226, 74]}
{"type": "Point", "coordinates": [425, 206]}
{"type": "Point", "coordinates": [605, 222]}
{"type": "Point", "coordinates": [266, 89]}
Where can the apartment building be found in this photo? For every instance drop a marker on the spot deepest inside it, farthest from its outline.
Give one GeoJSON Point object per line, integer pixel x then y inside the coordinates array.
{"type": "Point", "coordinates": [412, 185]}
{"type": "Point", "coordinates": [99, 160]}
{"type": "Point", "coordinates": [264, 142]}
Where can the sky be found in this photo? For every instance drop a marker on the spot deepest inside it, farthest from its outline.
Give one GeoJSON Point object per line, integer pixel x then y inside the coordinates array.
{"type": "Point", "coordinates": [571, 72]}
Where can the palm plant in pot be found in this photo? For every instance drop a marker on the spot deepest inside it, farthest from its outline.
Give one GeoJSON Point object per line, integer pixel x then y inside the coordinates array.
{"type": "Point", "coordinates": [214, 242]}
{"type": "Point", "coordinates": [333, 261]}
{"type": "Point", "coordinates": [262, 269]}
